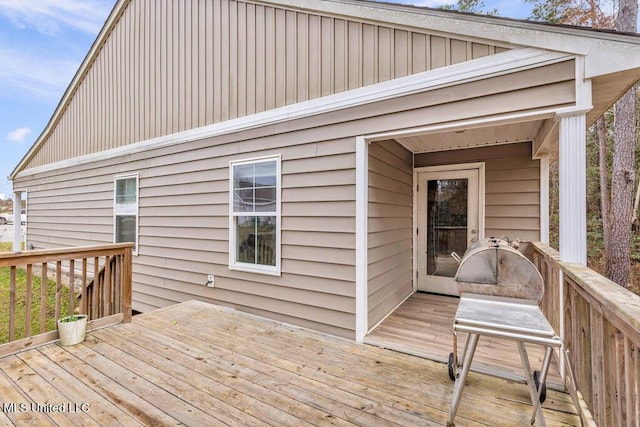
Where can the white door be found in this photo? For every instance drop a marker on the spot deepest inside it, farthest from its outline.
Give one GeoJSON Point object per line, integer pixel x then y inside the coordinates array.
{"type": "Point", "coordinates": [448, 221]}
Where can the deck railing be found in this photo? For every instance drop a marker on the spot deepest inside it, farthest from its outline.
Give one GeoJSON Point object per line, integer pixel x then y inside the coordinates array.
{"type": "Point", "coordinates": [600, 324]}
{"type": "Point", "coordinates": [97, 281]}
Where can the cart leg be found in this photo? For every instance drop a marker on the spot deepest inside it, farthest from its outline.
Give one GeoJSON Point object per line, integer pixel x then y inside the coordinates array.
{"type": "Point", "coordinates": [535, 400]}
{"type": "Point", "coordinates": [469, 350]}
{"type": "Point", "coordinates": [545, 366]}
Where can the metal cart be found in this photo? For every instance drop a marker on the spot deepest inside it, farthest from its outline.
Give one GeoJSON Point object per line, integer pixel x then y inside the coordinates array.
{"type": "Point", "coordinates": [499, 294]}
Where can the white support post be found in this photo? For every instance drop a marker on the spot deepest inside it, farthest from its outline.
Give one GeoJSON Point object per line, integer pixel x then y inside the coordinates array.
{"type": "Point", "coordinates": [544, 199]}
{"type": "Point", "coordinates": [573, 194]}
{"type": "Point", "coordinates": [362, 200]}
{"type": "Point", "coordinates": [17, 221]}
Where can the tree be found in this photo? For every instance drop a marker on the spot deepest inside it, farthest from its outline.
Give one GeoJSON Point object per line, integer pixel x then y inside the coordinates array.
{"type": "Point", "coordinates": [471, 6]}
{"type": "Point", "coordinates": [584, 13]}
{"type": "Point", "coordinates": [618, 253]}
{"type": "Point", "coordinates": [617, 208]}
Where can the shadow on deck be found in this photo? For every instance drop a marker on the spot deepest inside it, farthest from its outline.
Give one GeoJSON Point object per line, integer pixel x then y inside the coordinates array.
{"type": "Point", "coordinates": [200, 364]}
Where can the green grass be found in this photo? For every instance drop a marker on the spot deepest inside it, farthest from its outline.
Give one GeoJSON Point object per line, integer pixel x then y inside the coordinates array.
{"type": "Point", "coordinates": [21, 286]}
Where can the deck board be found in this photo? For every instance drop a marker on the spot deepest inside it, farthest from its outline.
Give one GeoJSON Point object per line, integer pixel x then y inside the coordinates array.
{"type": "Point", "coordinates": [198, 364]}
{"type": "Point", "coordinates": [422, 326]}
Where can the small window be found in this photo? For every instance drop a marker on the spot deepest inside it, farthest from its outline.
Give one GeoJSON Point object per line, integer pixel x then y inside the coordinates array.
{"type": "Point", "coordinates": [125, 211]}
{"type": "Point", "coordinates": [254, 220]}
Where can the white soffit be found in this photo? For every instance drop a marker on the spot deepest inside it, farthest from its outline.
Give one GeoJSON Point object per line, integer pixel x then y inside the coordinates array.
{"type": "Point", "coordinates": [472, 137]}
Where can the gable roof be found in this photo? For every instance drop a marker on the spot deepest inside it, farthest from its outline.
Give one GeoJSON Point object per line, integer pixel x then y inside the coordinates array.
{"type": "Point", "coordinates": [605, 53]}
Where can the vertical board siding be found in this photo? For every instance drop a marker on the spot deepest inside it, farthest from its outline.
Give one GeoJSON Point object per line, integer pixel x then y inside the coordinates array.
{"type": "Point", "coordinates": [171, 65]}
{"type": "Point", "coordinates": [184, 226]}
{"type": "Point", "coordinates": [390, 251]}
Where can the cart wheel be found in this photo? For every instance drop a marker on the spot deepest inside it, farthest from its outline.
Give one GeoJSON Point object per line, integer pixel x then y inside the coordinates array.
{"type": "Point", "coordinates": [543, 393]}
{"type": "Point", "coordinates": [452, 367]}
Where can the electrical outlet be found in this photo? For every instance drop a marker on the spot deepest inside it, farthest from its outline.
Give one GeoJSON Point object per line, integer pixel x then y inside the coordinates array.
{"type": "Point", "coordinates": [210, 280]}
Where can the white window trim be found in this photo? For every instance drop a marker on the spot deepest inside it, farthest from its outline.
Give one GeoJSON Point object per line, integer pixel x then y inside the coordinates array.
{"type": "Point", "coordinates": [255, 268]}
{"type": "Point", "coordinates": [115, 180]}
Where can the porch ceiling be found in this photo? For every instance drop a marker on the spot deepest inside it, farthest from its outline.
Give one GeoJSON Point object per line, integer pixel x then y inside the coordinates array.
{"type": "Point", "coordinates": [472, 137]}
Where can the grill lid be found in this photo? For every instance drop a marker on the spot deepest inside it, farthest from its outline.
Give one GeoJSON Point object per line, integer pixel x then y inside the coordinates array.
{"type": "Point", "coordinates": [493, 267]}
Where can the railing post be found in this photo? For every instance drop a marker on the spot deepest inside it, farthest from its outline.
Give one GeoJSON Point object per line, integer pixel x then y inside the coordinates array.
{"type": "Point", "coordinates": [562, 323]}
{"type": "Point", "coordinates": [127, 285]}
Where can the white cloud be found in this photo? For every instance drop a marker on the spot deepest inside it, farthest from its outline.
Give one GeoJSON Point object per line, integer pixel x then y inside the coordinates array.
{"type": "Point", "coordinates": [19, 134]}
{"type": "Point", "coordinates": [36, 72]}
{"type": "Point", "coordinates": [48, 16]}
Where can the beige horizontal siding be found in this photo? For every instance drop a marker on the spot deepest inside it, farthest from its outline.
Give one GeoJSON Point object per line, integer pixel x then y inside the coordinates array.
{"type": "Point", "coordinates": [171, 65]}
{"type": "Point", "coordinates": [512, 187]}
{"type": "Point", "coordinates": [390, 251]}
{"type": "Point", "coordinates": [183, 233]}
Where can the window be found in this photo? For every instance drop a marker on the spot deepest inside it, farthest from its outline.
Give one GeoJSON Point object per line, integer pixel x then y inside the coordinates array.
{"type": "Point", "coordinates": [125, 211]}
{"type": "Point", "coordinates": [254, 220]}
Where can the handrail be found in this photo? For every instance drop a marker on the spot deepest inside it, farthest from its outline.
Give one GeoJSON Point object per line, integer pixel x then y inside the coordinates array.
{"type": "Point", "coordinates": [600, 325]}
{"type": "Point", "coordinates": [71, 268]}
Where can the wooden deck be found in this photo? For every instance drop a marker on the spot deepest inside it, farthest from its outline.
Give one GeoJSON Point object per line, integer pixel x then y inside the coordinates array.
{"type": "Point", "coordinates": [422, 327]}
{"type": "Point", "coordinates": [198, 364]}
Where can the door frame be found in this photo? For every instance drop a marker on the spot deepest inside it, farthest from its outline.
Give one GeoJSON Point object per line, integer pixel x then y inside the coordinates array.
{"type": "Point", "coordinates": [480, 167]}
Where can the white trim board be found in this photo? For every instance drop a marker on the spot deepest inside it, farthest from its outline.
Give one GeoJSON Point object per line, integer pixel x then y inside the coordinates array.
{"type": "Point", "coordinates": [477, 69]}
{"type": "Point", "coordinates": [362, 238]}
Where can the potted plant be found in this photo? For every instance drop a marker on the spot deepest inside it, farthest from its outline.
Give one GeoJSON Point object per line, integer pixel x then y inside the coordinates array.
{"type": "Point", "coordinates": [72, 329]}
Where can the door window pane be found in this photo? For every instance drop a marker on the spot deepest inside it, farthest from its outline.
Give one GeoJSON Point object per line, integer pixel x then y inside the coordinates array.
{"type": "Point", "coordinates": [446, 224]}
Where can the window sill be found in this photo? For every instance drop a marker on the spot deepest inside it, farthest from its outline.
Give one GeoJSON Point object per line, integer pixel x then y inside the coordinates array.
{"type": "Point", "coordinates": [249, 268]}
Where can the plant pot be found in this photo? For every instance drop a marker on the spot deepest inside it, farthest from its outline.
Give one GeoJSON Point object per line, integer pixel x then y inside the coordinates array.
{"type": "Point", "coordinates": [72, 329]}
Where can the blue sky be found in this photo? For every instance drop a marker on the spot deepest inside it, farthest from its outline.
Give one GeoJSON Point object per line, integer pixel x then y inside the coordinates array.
{"type": "Point", "coordinates": [43, 42]}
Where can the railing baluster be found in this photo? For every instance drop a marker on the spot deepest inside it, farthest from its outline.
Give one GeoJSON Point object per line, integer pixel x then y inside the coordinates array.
{"type": "Point", "coordinates": [118, 282]}
{"type": "Point", "coordinates": [72, 287]}
{"type": "Point", "coordinates": [43, 298]}
{"type": "Point", "coordinates": [58, 287]}
{"type": "Point", "coordinates": [95, 303]}
{"type": "Point", "coordinates": [107, 285]}
{"type": "Point", "coordinates": [12, 304]}
{"type": "Point", "coordinates": [27, 302]}
{"type": "Point", "coordinates": [84, 303]}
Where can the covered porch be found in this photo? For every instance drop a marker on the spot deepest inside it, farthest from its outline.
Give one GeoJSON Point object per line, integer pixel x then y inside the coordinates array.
{"type": "Point", "coordinates": [492, 138]}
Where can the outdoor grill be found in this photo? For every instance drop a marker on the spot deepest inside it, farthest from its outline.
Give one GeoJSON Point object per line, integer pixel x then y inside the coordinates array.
{"type": "Point", "coordinates": [499, 294]}
{"type": "Point", "coordinates": [495, 267]}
